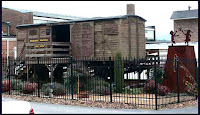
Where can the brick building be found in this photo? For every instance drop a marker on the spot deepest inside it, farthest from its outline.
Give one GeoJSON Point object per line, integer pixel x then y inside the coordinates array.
{"type": "Point", "coordinates": [10, 19]}
{"type": "Point", "coordinates": [92, 37]}
{"type": "Point", "coordinates": [186, 20]}
{"type": "Point", "coordinates": [16, 18]}
{"type": "Point", "coordinates": [8, 41]}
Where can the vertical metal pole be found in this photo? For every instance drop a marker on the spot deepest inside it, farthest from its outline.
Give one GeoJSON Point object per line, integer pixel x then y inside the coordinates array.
{"type": "Point", "coordinates": [51, 86]}
{"type": "Point", "coordinates": [196, 79]}
{"type": "Point", "coordinates": [8, 49]}
{"type": "Point", "coordinates": [27, 78]}
{"type": "Point", "coordinates": [177, 75]}
{"type": "Point", "coordinates": [38, 78]}
{"type": "Point", "coordinates": [72, 82]}
{"type": "Point", "coordinates": [110, 74]}
{"type": "Point", "coordinates": [9, 30]}
{"type": "Point", "coordinates": [156, 87]}
{"type": "Point", "coordinates": [9, 74]}
{"type": "Point", "coordinates": [158, 60]}
{"type": "Point", "coordinates": [51, 72]}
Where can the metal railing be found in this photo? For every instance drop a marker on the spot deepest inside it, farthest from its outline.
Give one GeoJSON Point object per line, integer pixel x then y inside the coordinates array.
{"type": "Point", "coordinates": [135, 82]}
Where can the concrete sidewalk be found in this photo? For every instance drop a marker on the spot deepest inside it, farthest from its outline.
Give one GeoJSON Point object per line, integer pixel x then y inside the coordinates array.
{"type": "Point", "coordinates": [43, 108]}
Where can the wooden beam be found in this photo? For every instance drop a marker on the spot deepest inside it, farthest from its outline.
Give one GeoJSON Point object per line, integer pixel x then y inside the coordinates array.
{"type": "Point", "coordinates": [103, 38]}
{"type": "Point", "coordinates": [47, 55]}
{"type": "Point", "coordinates": [129, 39]}
{"type": "Point", "coordinates": [49, 61]}
{"type": "Point", "coordinates": [60, 44]}
{"type": "Point", "coordinates": [49, 49]}
{"type": "Point", "coordinates": [48, 43]}
{"type": "Point", "coordinates": [81, 40]}
{"type": "Point", "coordinates": [137, 39]}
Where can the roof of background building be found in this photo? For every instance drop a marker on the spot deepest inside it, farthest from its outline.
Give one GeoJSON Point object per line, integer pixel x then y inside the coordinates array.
{"type": "Point", "coordinates": [185, 14]}
{"type": "Point", "coordinates": [6, 23]}
{"type": "Point", "coordinates": [157, 42]}
{"type": "Point", "coordinates": [56, 16]}
{"type": "Point", "coordinates": [45, 14]}
{"type": "Point", "coordinates": [83, 20]}
{"type": "Point", "coordinates": [8, 37]}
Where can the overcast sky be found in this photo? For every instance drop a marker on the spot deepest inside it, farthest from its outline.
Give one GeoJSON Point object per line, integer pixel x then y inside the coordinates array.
{"type": "Point", "coordinates": [156, 13]}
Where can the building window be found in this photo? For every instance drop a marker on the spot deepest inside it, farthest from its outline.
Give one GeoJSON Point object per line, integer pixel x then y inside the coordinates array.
{"type": "Point", "coordinates": [32, 32]}
{"type": "Point", "coordinates": [47, 31]}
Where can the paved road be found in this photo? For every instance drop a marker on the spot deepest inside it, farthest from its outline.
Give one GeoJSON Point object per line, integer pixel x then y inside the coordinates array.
{"type": "Point", "coordinates": [43, 108]}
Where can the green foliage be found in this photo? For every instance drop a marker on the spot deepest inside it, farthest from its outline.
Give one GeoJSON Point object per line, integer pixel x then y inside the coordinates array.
{"type": "Point", "coordinates": [15, 83]}
{"type": "Point", "coordinates": [69, 80]}
{"type": "Point", "coordinates": [86, 82]}
{"type": "Point", "coordinates": [159, 74]}
{"type": "Point", "coordinates": [20, 86]}
{"type": "Point", "coordinates": [58, 89]}
{"type": "Point", "coordinates": [96, 81]}
{"type": "Point", "coordinates": [101, 90]}
{"type": "Point", "coordinates": [99, 86]}
{"type": "Point", "coordinates": [119, 72]}
{"type": "Point", "coordinates": [128, 90]}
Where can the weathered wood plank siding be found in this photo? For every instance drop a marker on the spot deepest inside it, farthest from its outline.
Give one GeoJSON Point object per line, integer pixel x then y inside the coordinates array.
{"type": "Point", "coordinates": [124, 37]}
{"type": "Point", "coordinates": [141, 39]}
{"type": "Point", "coordinates": [88, 39]}
{"type": "Point", "coordinates": [96, 38]}
{"type": "Point", "coordinates": [82, 39]}
{"type": "Point", "coordinates": [76, 39]}
{"type": "Point", "coordinates": [35, 35]}
{"type": "Point", "coordinates": [106, 38]}
{"type": "Point", "coordinates": [103, 38]}
{"type": "Point", "coordinates": [21, 36]}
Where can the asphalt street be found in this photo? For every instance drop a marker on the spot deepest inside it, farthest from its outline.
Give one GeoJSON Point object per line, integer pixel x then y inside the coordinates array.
{"type": "Point", "coordinates": [43, 108]}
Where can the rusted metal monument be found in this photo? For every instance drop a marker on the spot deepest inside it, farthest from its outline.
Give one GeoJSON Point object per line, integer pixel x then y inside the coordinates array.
{"type": "Point", "coordinates": [183, 58]}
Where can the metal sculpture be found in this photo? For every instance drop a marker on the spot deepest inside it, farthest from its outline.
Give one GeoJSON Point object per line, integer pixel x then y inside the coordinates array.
{"type": "Point", "coordinates": [187, 35]}
{"type": "Point", "coordinates": [172, 36]}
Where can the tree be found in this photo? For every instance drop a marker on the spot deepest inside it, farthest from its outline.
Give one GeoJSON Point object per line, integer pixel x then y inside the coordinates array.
{"type": "Point", "coordinates": [119, 72]}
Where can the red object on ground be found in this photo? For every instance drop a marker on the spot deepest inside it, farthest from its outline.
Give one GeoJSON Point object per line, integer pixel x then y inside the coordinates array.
{"type": "Point", "coordinates": [5, 86]}
{"type": "Point", "coordinates": [31, 111]}
{"type": "Point", "coordinates": [186, 56]}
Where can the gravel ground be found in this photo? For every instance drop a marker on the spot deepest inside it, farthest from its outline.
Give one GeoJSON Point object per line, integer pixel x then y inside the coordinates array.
{"type": "Point", "coordinates": [95, 103]}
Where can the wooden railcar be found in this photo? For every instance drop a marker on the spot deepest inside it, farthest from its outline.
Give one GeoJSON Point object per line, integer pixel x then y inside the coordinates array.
{"type": "Point", "coordinates": [83, 38]}
{"type": "Point", "coordinates": [95, 37]}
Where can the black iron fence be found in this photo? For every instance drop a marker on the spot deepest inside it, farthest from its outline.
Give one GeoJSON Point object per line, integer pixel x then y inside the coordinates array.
{"type": "Point", "coordinates": [145, 83]}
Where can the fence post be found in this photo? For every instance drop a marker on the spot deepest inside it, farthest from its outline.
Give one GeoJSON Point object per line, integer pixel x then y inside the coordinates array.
{"type": "Point", "coordinates": [38, 77]}
{"type": "Point", "coordinates": [110, 74]}
{"type": "Point", "coordinates": [177, 75]}
{"type": "Point", "coordinates": [156, 87]}
{"type": "Point", "coordinates": [72, 82]}
{"type": "Point", "coordinates": [196, 74]}
{"type": "Point", "coordinates": [9, 74]}
{"type": "Point", "coordinates": [196, 71]}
